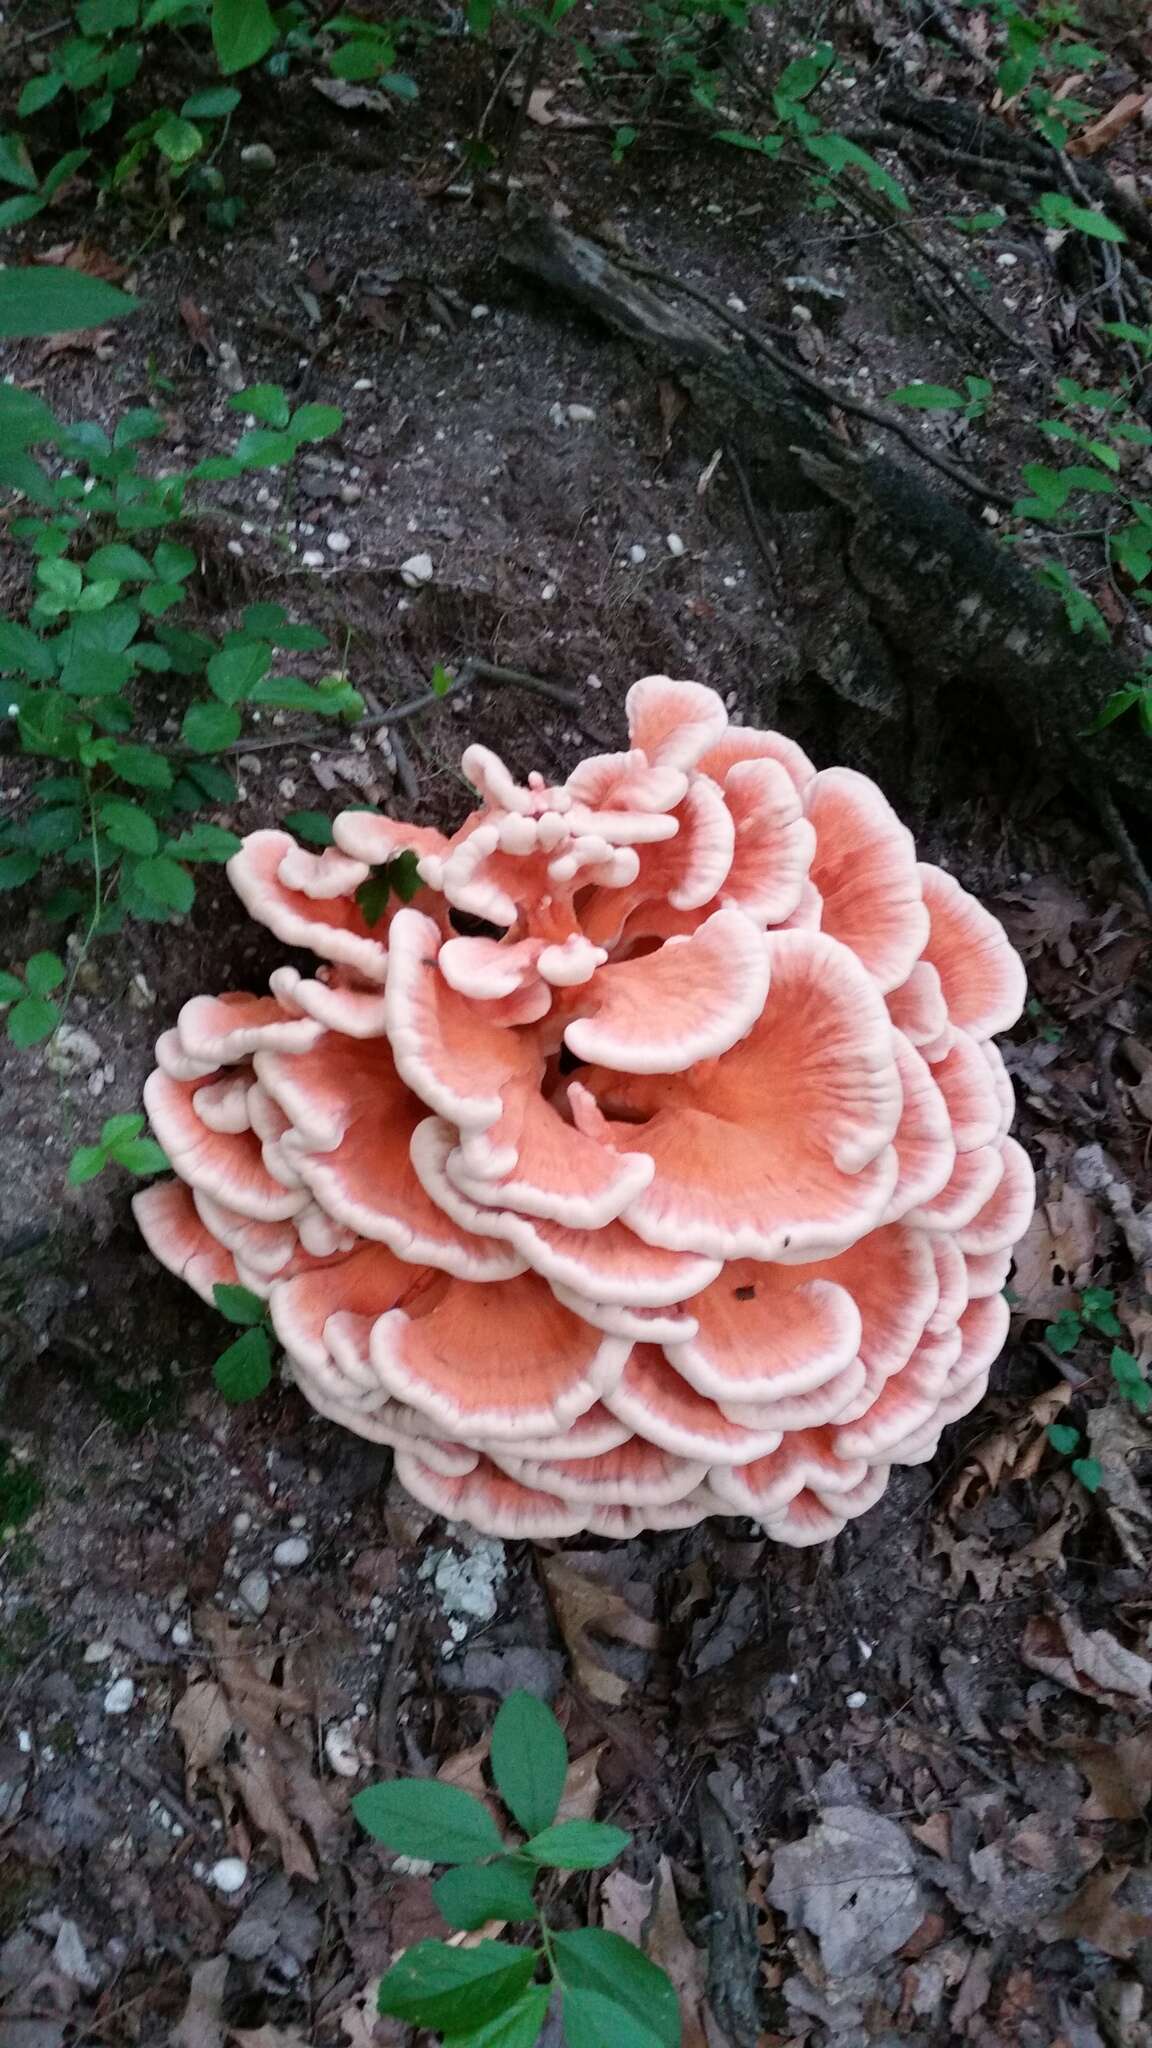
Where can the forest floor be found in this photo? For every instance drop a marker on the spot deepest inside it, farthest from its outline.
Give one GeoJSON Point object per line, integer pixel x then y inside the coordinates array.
{"type": "Point", "coordinates": [969, 1668]}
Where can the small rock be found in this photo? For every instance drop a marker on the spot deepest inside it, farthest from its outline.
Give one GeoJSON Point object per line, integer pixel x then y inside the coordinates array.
{"type": "Point", "coordinates": [312, 558]}
{"type": "Point", "coordinates": [229, 1875]}
{"type": "Point", "coordinates": [241, 1523]}
{"type": "Point", "coordinates": [737, 304]}
{"type": "Point", "coordinates": [548, 592]}
{"type": "Point", "coordinates": [119, 1697]}
{"type": "Point", "coordinates": [481, 312]}
{"type": "Point", "coordinates": [637, 554]}
{"type": "Point", "coordinates": [363, 384]}
{"type": "Point", "coordinates": [504, 1671]}
{"type": "Point", "coordinates": [341, 1751]}
{"type": "Point", "coordinates": [257, 156]}
{"type": "Point", "coordinates": [293, 1551]}
{"type": "Point", "coordinates": [181, 1635]}
{"type": "Point", "coordinates": [255, 1592]}
{"type": "Point", "coordinates": [416, 570]}
{"type": "Point", "coordinates": [578, 414]}
{"type": "Point", "coordinates": [339, 543]}
{"type": "Point", "coordinates": [97, 1653]}
{"type": "Point", "coordinates": [71, 1957]}
{"type": "Point", "coordinates": [73, 1051]}
{"type": "Point", "coordinates": [855, 1700]}
{"type": "Point", "coordinates": [350, 494]}
{"type": "Point", "coordinates": [673, 543]}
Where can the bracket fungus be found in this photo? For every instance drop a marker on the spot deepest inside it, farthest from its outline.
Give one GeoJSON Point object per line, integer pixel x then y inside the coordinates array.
{"type": "Point", "coordinates": [652, 1162]}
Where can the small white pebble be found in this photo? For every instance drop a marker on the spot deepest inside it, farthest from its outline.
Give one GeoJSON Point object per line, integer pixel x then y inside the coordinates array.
{"type": "Point", "coordinates": [255, 1592]}
{"type": "Point", "coordinates": [481, 312]}
{"type": "Point", "coordinates": [24, 1741]}
{"type": "Point", "coordinates": [1007, 261]}
{"type": "Point", "coordinates": [339, 543]}
{"type": "Point", "coordinates": [416, 570]}
{"type": "Point", "coordinates": [97, 1653]}
{"type": "Point", "coordinates": [312, 558]}
{"type": "Point", "coordinates": [229, 1875]}
{"type": "Point", "coordinates": [235, 547]}
{"type": "Point", "coordinates": [674, 544]}
{"type": "Point", "coordinates": [350, 494]}
{"type": "Point", "coordinates": [637, 554]}
{"type": "Point", "coordinates": [580, 414]}
{"type": "Point", "coordinates": [737, 305]}
{"type": "Point", "coordinates": [856, 1699]}
{"type": "Point", "coordinates": [293, 1551]}
{"type": "Point", "coordinates": [729, 582]}
{"type": "Point", "coordinates": [119, 1697]}
{"type": "Point", "coordinates": [297, 1521]}
{"type": "Point", "coordinates": [341, 1751]}
{"type": "Point", "coordinates": [363, 384]}
{"type": "Point", "coordinates": [241, 1524]}
{"type": "Point", "coordinates": [548, 592]}
{"type": "Point", "coordinates": [990, 516]}
{"type": "Point", "coordinates": [181, 1635]}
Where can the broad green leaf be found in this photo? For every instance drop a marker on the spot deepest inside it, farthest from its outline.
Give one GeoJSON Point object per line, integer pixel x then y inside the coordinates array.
{"type": "Point", "coordinates": [529, 1760]}
{"type": "Point", "coordinates": [245, 1369]}
{"type": "Point", "coordinates": [260, 448]}
{"type": "Point", "coordinates": [43, 973]}
{"type": "Point", "coordinates": [207, 728]}
{"type": "Point", "coordinates": [139, 1155]}
{"type": "Point", "coordinates": [118, 559]}
{"type": "Point", "coordinates": [243, 31]}
{"type": "Point", "coordinates": [234, 672]}
{"type": "Point", "coordinates": [315, 422]}
{"type": "Point", "coordinates": [39, 92]}
{"type": "Point", "coordinates": [313, 826]}
{"type": "Point", "coordinates": [211, 105]}
{"type": "Point", "coordinates": [211, 780]}
{"type": "Point", "coordinates": [592, 1960]}
{"type": "Point", "coordinates": [95, 675]}
{"type": "Point", "coordinates": [1055, 209]}
{"type": "Point", "coordinates": [398, 82]}
{"type": "Point", "coordinates": [267, 403]}
{"type": "Point", "coordinates": [11, 988]}
{"type": "Point", "coordinates": [477, 1892]}
{"type": "Point", "coordinates": [21, 648]}
{"type": "Point", "coordinates": [577, 1845]}
{"type": "Point", "coordinates": [14, 212]}
{"type": "Point", "coordinates": [239, 1304]}
{"type": "Point", "coordinates": [116, 1128]}
{"type": "Point", "coordinates": [178, 140]}
{"type": "Point", "coordinates": [928, 397]}
{"type": "Point", "coordinates": [172, 561]}
{"type": "Point", "coordinates": [423, 1817]}
{"type": "Point", "coordinates": [32, 1020]}
{"type": "Point", "coordinates": [839, 153]}
{"type": "Point", "coordinates": [592, 2019]}
{"type": "Point", "coordinates": [1063, 1437]}
{"type": "Point", "coordinates": [205, 842]}
{"type": "Point", "coordinates": [41, 299]}
{"type": "Point", "coordinates": [434, 1985]}
{"type": "Point", "coordinates": [166, 882]}
{"type": "Point", "coordinates": [15, 164]}
{"type": "Point", "coordinates": [518, 2026]}
{"type": "Point", "coordinates": [18, 868]}
{"type": "Point", "coordinates": [86, 1162]}
{"type": "Point", "coordinates": [129, 826]}
{"type": "Point", "coordinates": [289, 693]}
{"type": "Point", "coordinates": [1089, 1472]}
{"type": "Point", "coordinates": [141, 766]}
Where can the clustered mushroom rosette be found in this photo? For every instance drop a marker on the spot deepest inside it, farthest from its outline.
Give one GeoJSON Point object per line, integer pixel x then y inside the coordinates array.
{"type": "Point", "coordinates": [652, 1163]}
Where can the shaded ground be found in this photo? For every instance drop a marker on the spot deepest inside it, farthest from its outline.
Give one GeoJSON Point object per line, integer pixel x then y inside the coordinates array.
{"type": "Point", "coordinates": [970, 1668]}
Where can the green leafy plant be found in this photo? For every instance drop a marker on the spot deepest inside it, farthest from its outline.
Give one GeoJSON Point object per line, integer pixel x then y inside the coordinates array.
{"type": "Point", "coordinates": [33, 191]}
{"type": "Point", "coordinates": [244, 1370]}
{"type": "Point", "coordinates": [1097, 1311]}
{"type": "Point", "coordinates": [38, 298]}
{"type": "Point", "coordinates": [32, 1013]}
{"type": "Point", "coordinates": [1066, 1439]}
{"type": "Point", "coordinates": [972, 402]}
{"type": "Point", "coordinates": [497, 1994]}
{"type": "Point", "coordinates": [121, 1143]}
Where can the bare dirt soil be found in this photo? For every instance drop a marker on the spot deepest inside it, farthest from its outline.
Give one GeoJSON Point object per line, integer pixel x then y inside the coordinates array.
{"type": "Point", "coordinates": [968, 1671]}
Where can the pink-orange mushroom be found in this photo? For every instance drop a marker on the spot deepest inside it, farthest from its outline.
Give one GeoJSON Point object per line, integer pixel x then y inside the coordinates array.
{"type": "Point", "coordinates": [685, 1190]}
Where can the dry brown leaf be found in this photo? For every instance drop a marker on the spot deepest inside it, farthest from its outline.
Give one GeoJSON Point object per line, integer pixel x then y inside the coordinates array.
{"type": "Point", "coordinates": [243, 1670]}
{"type": "Point", "coordinates": [1094, 1916]}
{"type": "Point", "coordinates": [88, 257]}
{"type": "Point", "coordinates": [968, 1557]}
{"type": "Point", "coordinates": [1013, 1452]}
{"type": "Point", "coordinates": [584, 1609]}
{"type": "Point", "coordinates": [1043, 914]}
{"type": "Point", "coordinates": [353, 98]}
{"type": "Point", "coordinates": [1087, 1661]}
{"type": "Point", "coordinates": [202, 2025]}
{"type": "Point", "coordinates": [669, 1948]}
{"type": "Point", "coordinates": [1119, 1773]}
{"type": "Point", "coordinates": [259, 1780]}
{"type": "Point", "coordinates": [1037, 1295]}
{"type": "Point", "coordinates": [1091, 140]}
{"type": "Point", "coordinates": [544, 115]}
{"type": "Point", "coordinates": [268, 2037]}
{"type": "Point", "coordinates": [203, 1721]}
{"type": "Point", "coordinates": [935, 1833]}
{"type": "Point", "coordinates": [625, 1904]}
{"type": "Point", "coordinates": [581, 1794]}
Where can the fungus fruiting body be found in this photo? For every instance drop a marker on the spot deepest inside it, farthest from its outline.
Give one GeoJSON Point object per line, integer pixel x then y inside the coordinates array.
{"type": "Point", "coordinates": [652, 1162]}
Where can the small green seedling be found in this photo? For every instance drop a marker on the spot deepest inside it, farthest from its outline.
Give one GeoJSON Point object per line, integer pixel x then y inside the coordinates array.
{"type": "Point", "coordinates": [498, 1993]}
{"type": "Point", "coordinates": [244, 1370]}
{"type": "Point", "coordinates": [1097, 1311]}
{"type": "Point", "coordinates": [121, 1144]}
{"type": "Point", "coordinates": [1065, 1439]}
{"type": "Point", "coordinates": [33, 1015]}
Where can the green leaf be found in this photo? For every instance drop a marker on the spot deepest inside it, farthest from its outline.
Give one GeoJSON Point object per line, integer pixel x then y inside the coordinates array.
{"type": "Point", "coordinates": [178, 140]}
{"type": "Point", "coordinates": [1098, 1307]}
{"type": "Point", "coordinates": [372, 896]}
{"type": "Point", "coordinates": [44, 972]}
{"type": "Point", "coordinates": [243, 31]}
{"type": "Point", "coordinates": [211, 780]}
{"type": "Point", "coordinates": [267, 403]}
{"type": "Point", "coordinates": [141, 766]}
{"type": "Point", "coordinates": [434, 1985]}
{"type": "Point", "coordinates": [14, 212]}
{"type": "Point", "coordinates": [129, 826]}
{"type": "Point", "coordinates": [1089, 1472]}
{"type": "Point", "coordinates": [1062, 1437]}
{"type": "Point", "coordinates": [928, 397]}
{"type": "Point", "coordinates": [423, 1817]}
{"type": "Point", "coordinates": [477, 1892]}
{"type": "Point", "coordinates": [529, 1760]}
{"type": "Point", "coordinates": [15, 164]}
{"type": "Point", "coordinates": [403, 874]}
{"type": "Point", "coordinates": [594, 2018]}
{"type": "Point", "coordinates": [43, 299]}
{"type": "Point", "coordinates": [1055, 209]}
{"type": "Point", "coordinates": [239, 1304]}
{"type": "Point", "coordinates": [207, 728]}
{"type": "Point", "coordinates": [172, 562]}
{"type": "Point", "coordinates": [86, 1162]}
{"type": "Point", "coordinates": [18, 868]}
{"type": "Point", "coordinates": [235, 671]}
{"type": "Point", "coordinates": [139, 1155]}
{"type": "Point", "coordinates": [577, 1845]}
{"type": "Point", "coordinates": [245, 1369]}
{"type": "Point", "coordinates": [21, 648]}
{"type": "Point", "coordinates": [315, 422]}
{"type": "Point", "coordinates": [119, 560]}
{"type": "Point", "coordinates": [518, 2026]}
{"type": "Point", "coordinates": [442, 682]}
{"type": "Point", "coordinates": [212, 105]}
{"type": "Point", "coordinates": [592, 1960]}
{"type": "Point", "coordinates": [261, 449]}
{"type": "Point", "coordinates": [166, 882]}
{"type": "Point", "coordinates": [839, 154]}
{"type": "Point", "coordinates": [32, 1020]}
{"type": "Point", "coordinates": [313, 826]}
{"type": "Point", "coordinates": [11, 988]}
{"type": "Point", "coordinates": [39, 92]}
{"type": "Point", "coordinates": [1065, 1333]}
{"type": "Point", "coordinates": [116, 1128]}
{"type": "Point", "coordinates": [205, 842]}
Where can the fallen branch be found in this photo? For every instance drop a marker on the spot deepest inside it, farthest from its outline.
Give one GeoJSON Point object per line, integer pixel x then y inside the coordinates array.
{"type": "Point", "coordinates": [733, 1950]}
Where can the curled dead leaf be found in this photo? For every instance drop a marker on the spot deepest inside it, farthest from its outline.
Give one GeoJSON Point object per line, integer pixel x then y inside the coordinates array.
{"type": "Point", "coordinates": [1013, 1452]}
{"type": "Point", "coordinates": [1094, 1916]}
{"type": "Point", "coordinates": [202, 1719]}
{"type": "Point", "coordinates": [1099, 134]}
{"type": "Point", "coordinates": [584, 1609]}
{"type": "Point", "coordinates": [1087, 1661]}
{"type": "Point", "coordinates": [1119, 1774]}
